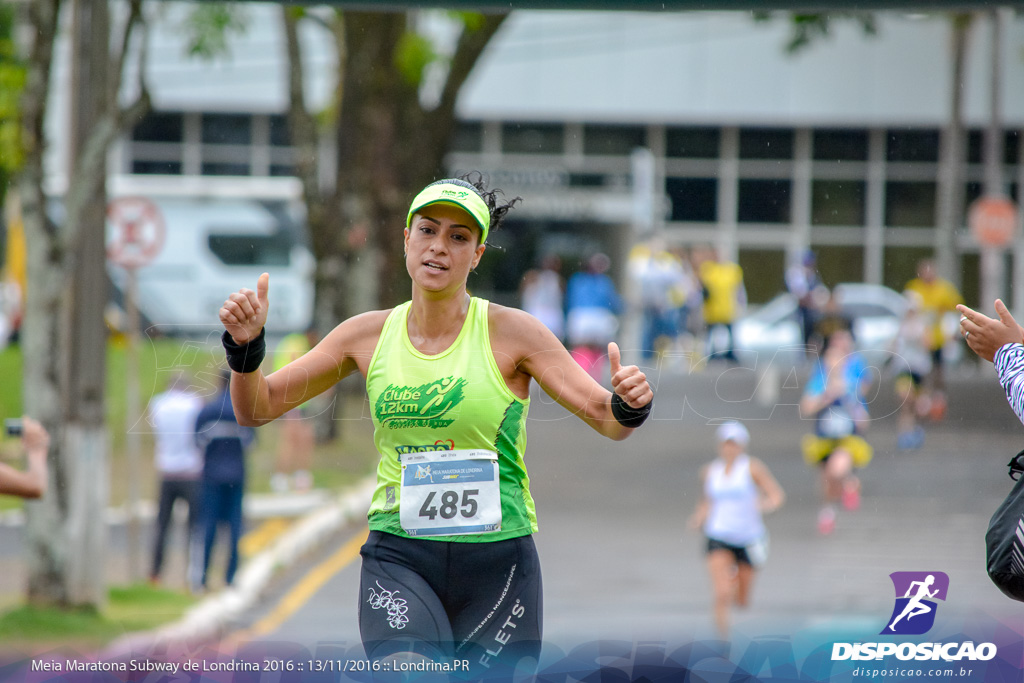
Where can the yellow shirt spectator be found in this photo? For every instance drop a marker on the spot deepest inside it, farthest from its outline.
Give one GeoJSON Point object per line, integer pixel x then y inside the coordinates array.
{"type": "Point", "coordinates": [723, 283]}
{"type": "Point", "coordinates": [938, 297]}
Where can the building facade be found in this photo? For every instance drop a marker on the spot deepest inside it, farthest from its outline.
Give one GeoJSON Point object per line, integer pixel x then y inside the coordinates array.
{"type": "Point", "coordinates": [760, 152]}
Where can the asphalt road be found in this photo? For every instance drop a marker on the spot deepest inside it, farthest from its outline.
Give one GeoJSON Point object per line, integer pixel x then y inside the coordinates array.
{"type": "Point", "coordinates": [619, 564]}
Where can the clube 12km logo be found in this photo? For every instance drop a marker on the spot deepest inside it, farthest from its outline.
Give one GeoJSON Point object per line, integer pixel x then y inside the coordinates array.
{"type": "Point", "coordinates": [917, 602]}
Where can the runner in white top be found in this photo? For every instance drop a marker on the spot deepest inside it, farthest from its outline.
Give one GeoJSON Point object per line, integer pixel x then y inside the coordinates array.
{"type": "Point", "coordinates": [738, 490]}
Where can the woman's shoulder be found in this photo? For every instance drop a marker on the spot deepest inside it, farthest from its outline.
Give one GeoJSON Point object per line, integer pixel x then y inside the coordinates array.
{"type": "Point", "coordinates": [361, 328]}
{"type": "Point", "coordinates": [518, 332]}
{"type": "Point", "coordinates": [507, 319]}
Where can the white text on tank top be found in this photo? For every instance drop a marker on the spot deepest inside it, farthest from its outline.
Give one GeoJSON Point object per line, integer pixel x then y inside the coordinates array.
{"type": "Point", "coordinates": [734, 516]}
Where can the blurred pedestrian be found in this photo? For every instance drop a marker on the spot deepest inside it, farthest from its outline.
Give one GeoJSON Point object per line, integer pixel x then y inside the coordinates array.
{"type": "Point", "coordinates": [804, 285]}
{"type": "Point", "coordinates": [690, 300]}
{"type": "Point", "coordinates": [913, 361]}
{"type": "Point", "coordinates": [659, 276]}
{"type": "Point", "coordinates": [939, 299]}
{"type": "Point", "coordinates": [224, 444]}
{"type": "Point", "coordinates": [830, 318]}
{"type": "Point", "coordinates": [592, 308]}
{"type": "Point", "coordinates": [297, 438]}
{"type": "Point", "coordinates": [738, 489]}
{"type": "Point", "coordinates": [179, 464]}
{"type": "Point", "coordinates": [725, 299]}
{"type": "Point", "coordinates": [1001, 342]}
{"type": "Point", "coordinates": [542, 294]}
{"type": "Point", "coordinates": [834, 398]}
{"type": "Point", "coordinates": [30, 482]}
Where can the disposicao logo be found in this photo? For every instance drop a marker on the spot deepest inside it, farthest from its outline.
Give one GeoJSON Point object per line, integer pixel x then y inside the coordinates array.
{"type": "Point", "coordinates": [912, 615]}
{"type": "Point", "coordinates": [916, 593]}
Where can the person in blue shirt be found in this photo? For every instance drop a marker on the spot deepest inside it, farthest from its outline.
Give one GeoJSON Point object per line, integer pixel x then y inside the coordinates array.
{"type": "Point", "coordinates": [592, 306]}
{"type": "Point", "coordinates": [834, 399]}
{"type": "Point", "coordinates": [224, 444]}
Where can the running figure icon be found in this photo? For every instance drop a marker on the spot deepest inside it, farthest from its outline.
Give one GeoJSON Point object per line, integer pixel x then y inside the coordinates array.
{"type": "Point", "coordinates": [915, 606]}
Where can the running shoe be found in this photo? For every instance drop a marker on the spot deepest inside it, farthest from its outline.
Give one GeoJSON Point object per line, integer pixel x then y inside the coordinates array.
{"type": "Point", "coordinates": [910, 440]}
{"type": "Point", "coordinates": [851, 498]}
{"type": "Point", "coordinates": [826, 521]}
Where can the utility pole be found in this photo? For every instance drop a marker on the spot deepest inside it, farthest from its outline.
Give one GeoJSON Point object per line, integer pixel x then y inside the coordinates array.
{"type": "Point", "coordinates": [993, 258]}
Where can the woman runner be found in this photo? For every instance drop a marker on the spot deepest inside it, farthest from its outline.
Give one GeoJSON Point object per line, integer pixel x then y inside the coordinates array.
{"type": "Point", "coordinates": [449, 571]}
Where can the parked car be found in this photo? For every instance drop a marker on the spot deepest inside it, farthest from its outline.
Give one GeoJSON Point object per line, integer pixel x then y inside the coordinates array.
{"type": "Point", "coordinates": [773, 331]}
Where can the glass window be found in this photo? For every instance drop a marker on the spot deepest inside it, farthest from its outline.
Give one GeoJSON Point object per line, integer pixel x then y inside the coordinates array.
{"type": "Point", "coordinates": [766, 143]}
{"type": "Point", "coordinates": [468, 137]}
{"type": "Point", "coordinates": [900, 265]}
{"type": "Point", "coordinates": [692, 143]}
{"type": "Point", "coordinates": [975, 146]}
{"type": "Point", "coordinates": [587, 179]}
{"type": "Point", "coordinates": [160, 127]}
{"type": "Point", "coordinates": [764, 271]}
{"type": "Point", "coordinates": [282, 170]}
{"type": "Point", "coordinates": [1011, 147]}
{"type": "Point", "coordinates": [912, 145]}
{"type": "Point", "coordinates": [617, 140]}
{"type": "Point", "coordinates": [532, 138]}
{"type": "Point", "coordinates": [910, 204]}
{"type": "Point", "coordinates": [251, 250]}
{"type": "Point", "coordinates": [280, 135]}
{"type": "Point", "coordinates": [693, 199]}
{"type": "Point", "coordinates": [143, 167]}
{"type": "Point", "coordinates": [840, 145]}
{"type": "Point", "coordinates": [840, 264]}
{"type": "Point", "coordinates": [972, 191]}
{"type": "Point", "coordinates": [227, 129]}
{"type": "Point", "coordinates": [763, 201]}
{"type": "Point", "coordinates": [224, 168]}
{"type": "Point", "coordinates": [837, 202]}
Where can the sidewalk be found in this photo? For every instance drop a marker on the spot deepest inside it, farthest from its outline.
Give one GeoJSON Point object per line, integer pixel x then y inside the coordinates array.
{"type": "Point", "coordinates": [268, 516]}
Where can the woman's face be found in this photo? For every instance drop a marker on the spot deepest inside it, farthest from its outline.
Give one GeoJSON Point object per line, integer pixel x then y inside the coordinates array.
{"type": "Point", "coordinates": [442, 246]}
{"type": "Point", "coordinates": [729, 449]}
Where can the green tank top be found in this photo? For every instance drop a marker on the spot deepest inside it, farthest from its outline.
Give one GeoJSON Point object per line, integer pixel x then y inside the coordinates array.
{"type": "Point", "coordinates": [454, 400]}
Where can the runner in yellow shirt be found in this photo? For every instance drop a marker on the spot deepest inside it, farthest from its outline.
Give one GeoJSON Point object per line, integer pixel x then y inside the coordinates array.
{"type": "Point", "coordinates": [725, 297]}
{"type": "Point", "coordinates": [938, 298]}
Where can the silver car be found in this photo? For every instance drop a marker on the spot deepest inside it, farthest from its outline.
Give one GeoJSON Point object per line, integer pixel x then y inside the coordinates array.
{"type": "Point", "coordinates": [773, 331]}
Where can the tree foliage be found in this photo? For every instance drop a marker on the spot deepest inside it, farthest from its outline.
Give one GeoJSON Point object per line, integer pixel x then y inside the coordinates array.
{"type": "Point", "coordinates": [12, 82]}
{"type": "Point", "coordinates": [389, 140]}
{"type": "Point", "coordinates": [805, 28]}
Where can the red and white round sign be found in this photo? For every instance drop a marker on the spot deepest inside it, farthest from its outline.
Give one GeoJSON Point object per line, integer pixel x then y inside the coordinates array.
{"type": "Point", "coordinates": [992, 221]}
{"type": "Point", "coordinates": [135, 231]}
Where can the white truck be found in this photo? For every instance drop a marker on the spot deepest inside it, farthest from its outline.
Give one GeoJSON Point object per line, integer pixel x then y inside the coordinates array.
{"type": "Point", "coordinates": [192, 252]}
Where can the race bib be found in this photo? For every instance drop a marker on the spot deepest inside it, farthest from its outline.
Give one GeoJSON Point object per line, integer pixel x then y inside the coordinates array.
{"type": "Point", "coordinates": [448, 493]}
{"type": "Point", "coordinates": [836, 423]}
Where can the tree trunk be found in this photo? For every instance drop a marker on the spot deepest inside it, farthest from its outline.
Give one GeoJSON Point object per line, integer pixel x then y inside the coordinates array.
{"type": "Point", "coordinates": [63, 332]}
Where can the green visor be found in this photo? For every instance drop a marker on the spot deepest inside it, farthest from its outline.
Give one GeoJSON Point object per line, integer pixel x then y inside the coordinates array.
{"type": "Point", "coordinates": [466, 199]}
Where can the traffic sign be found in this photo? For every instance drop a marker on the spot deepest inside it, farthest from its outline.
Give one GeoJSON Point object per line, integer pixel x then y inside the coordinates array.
{"type": "Point", "coordinates": [135, 231]}
{"type": "Point", "coordinates": [993, 221]}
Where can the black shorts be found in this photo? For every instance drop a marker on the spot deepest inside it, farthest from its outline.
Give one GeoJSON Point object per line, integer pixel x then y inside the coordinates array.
{"type": "Point", "coordinates": [480, 602]}
{"type": "Point", "coordinates": [739, 552]}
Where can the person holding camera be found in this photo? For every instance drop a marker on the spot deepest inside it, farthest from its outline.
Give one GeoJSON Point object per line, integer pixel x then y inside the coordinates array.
{"type": "Point", "coordinates": [30, 482]}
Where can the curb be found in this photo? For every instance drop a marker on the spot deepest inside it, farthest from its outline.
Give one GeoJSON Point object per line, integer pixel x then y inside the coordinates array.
{"type": "Point", "coordinates": [256, 506]}
{"type": "Point", "coordinates": [213, 616]}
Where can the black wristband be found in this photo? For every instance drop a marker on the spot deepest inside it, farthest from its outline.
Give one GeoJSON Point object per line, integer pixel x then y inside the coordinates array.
{"type": "Point", "coordinates": [627, 415]}
{"type": "Point", "coordinates": [249, 356]}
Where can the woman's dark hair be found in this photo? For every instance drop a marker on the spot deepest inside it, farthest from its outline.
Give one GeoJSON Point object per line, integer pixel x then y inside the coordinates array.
{"type": "Point", "coordinates": [494, 199]}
